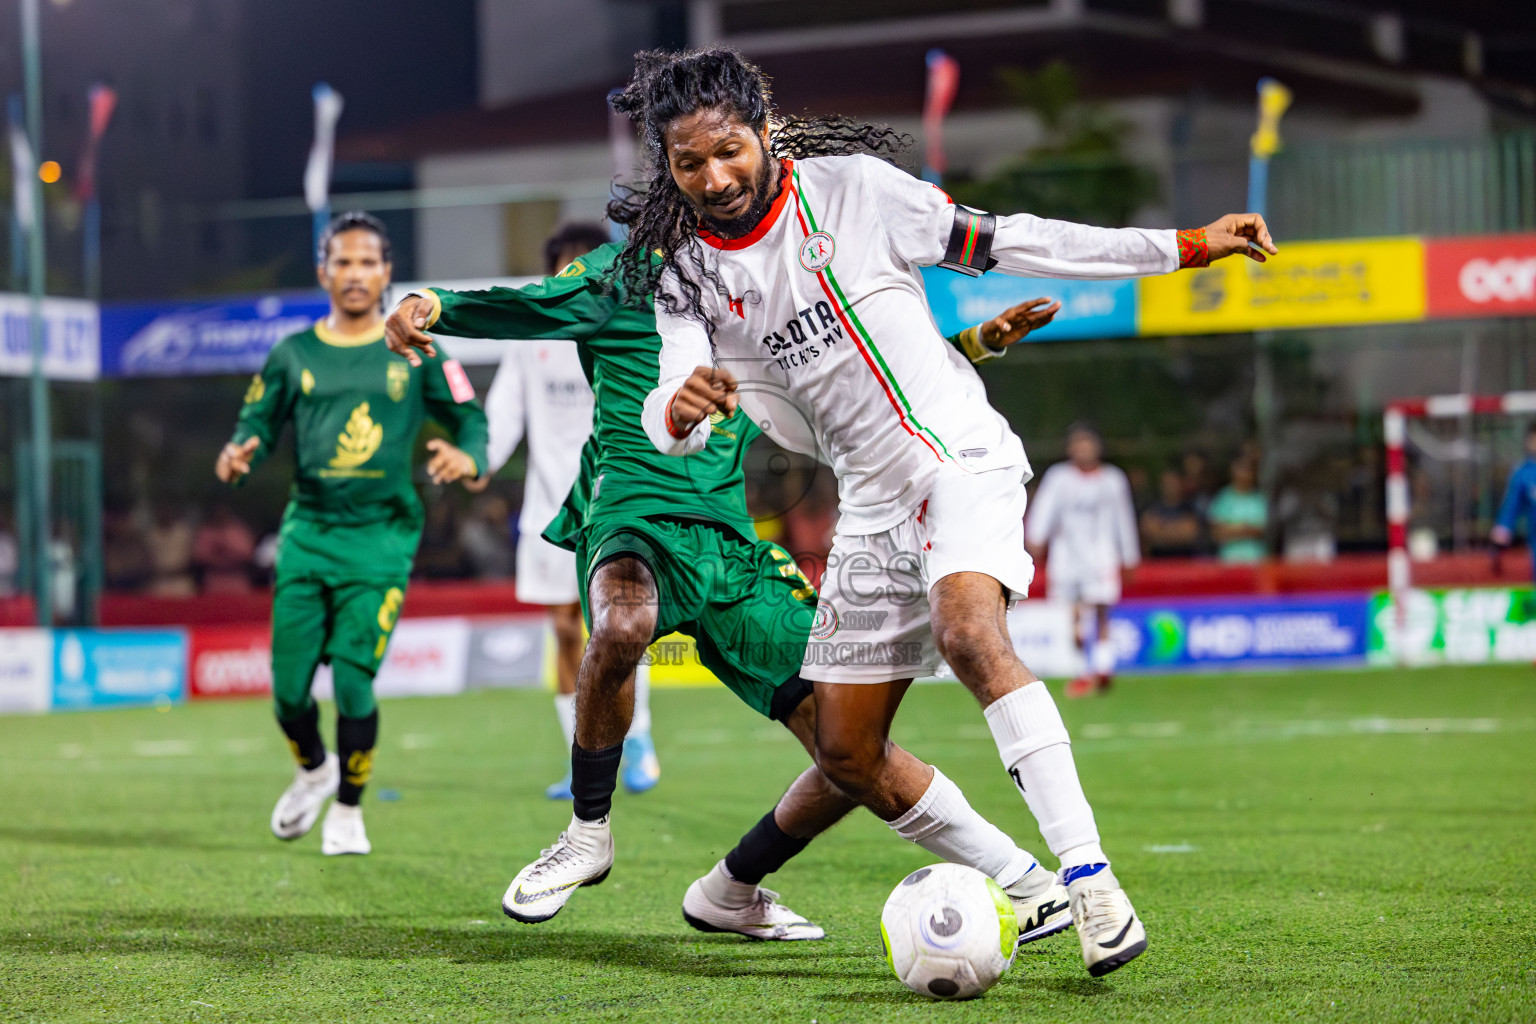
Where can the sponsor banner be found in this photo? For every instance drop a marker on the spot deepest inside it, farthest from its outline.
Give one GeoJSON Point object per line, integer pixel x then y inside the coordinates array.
{"type": "Point", "coordinates": [1493, 275]}
{"type": "Point", "coordinates": [158, 339]}
{"type": "Point", "coordinates": [95, 668]}
{"type": "Point", "coordinates": [1310, 284]}
{"type": "Point", "coordinates": [1467, 627]}
{"type": "Point", "coordinates": [230, 661]}
{"type": "Point", "coordinates": [1235, 631]}
{"type": "Point", "coordinates": [426, 658]}
{"type": "Point", "coordinates": [509, 651]}
{"type": "Point", "coordinates": [26, 670]}
{"type": "Point", "coordinates": [71, 336]}
{"type": "Point", "coordinates": [1089, 309]}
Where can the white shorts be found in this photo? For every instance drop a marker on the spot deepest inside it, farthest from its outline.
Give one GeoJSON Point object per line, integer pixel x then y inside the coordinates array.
{"type": "Point", "coordinates": [872, 621]}
{"type": "Point", "coordinates": [546, 574]}
{"type": "Point", "coordinates": [1094, 587]}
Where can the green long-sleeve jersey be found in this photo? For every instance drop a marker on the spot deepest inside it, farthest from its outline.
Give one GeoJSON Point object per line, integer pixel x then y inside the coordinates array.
{"type": "Point", "coordinates": [357, 409]}
{"type": "Point", "coordinates": [622, 472]}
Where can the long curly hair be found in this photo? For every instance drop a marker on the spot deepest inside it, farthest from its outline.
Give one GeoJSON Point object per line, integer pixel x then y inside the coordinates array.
{"type": "Point", "coordinates": [663, 223]}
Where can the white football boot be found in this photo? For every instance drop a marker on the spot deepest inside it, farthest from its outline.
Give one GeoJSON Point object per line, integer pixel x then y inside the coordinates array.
{"type": "Point", "coordinates": [764, 917]}
{"type": "Point", "coordinates": [583, 855]}
{"type": "Point", "coordinates": [299, 806]}
{"type": "Point", "coordinates": [1107, 925]}
{"type": "Point", "coordinates": [1042, 914]}
{"type": "Point", "coordinates": [343, 831]}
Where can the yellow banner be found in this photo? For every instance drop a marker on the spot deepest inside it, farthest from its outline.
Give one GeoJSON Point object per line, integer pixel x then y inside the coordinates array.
{"type": "Point", "coordinates": [1310, 284]}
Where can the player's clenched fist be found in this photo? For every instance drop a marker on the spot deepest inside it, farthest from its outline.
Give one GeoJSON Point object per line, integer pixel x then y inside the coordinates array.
{"type": "Point", "coordinates": [235, 460]}
{"type": "Point", "coordinates": [1232, 234]}
{"type": "Point", "coordinates": [405, 329]}
{"type": "Point", "coordinates": [708, 389]}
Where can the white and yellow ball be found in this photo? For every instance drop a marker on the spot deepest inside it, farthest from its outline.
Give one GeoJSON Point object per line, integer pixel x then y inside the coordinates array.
{"type": "Point", "coordinates": [949, 931]}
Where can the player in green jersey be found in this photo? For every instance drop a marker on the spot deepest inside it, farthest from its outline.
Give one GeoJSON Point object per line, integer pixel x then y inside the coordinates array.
{"type": "Point", "coordinates": [664, 544]}
{"type": "Point", "coordinates": [350, 531]}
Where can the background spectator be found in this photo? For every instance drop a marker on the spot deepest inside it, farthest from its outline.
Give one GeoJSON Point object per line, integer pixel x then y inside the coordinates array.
{"type": "Point", "coordinates": [126, 561]}
{"type": "Point", "coordinates": [1171, 526]}
{"type": "Point", "coordinates": [10, 558]}
{"type": "Point", "coordinates": [486, 538]}
{"type": "Point", "coordinates": [222, 552]}
{"type": "Point", "coordinates": [170, 552]}
{"type": "Point", "coordinates": [1238, 516]}
{"type": "Point", "coordinates": [1197, 481]}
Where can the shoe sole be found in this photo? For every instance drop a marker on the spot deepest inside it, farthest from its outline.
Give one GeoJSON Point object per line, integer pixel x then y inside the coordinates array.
{"type": "Point", "coordinates": [1118, 960]}
{"type": "Point", "coordinates": [521, 919]}
{"type": "Point", "coordinates": [1045, 931]}
{"type": "Point", "coordinates": [704, 926]}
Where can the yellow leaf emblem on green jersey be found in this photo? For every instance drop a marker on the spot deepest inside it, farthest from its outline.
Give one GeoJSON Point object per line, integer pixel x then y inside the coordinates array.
{"type": "Point", "coordinates": [359, 441]}
{"type": "Point", "coordinates": [257, 391]}
{"type": "Point", "coordinates": [307, 382]}
{"type": "Point", "coordinates": [397, 379]}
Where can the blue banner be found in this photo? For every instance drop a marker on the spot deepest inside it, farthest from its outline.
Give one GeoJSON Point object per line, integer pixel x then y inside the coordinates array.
{"type": "Point", "coordinates": [161, 339]}
{"type": "Point", "coordinates": [98, 668]}
{"type": "Point", "coordinates": [1221, 632]}
{"type": "Point", "coordinates": [1089, 309]}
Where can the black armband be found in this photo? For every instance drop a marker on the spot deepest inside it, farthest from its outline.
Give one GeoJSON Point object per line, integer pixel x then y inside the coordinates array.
{"type": "Point", "coordinates": [970, 243]}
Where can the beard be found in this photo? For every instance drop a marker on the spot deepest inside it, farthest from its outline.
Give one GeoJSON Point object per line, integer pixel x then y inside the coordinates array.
{"type": "Point", "coordinates": [762, 198]}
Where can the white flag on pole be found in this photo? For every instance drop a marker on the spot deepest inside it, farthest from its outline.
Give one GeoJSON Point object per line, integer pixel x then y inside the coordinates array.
{"type": "Point", "coordinates": [317, 175]}
{"type": "Point", "coordinates": [23, 175]}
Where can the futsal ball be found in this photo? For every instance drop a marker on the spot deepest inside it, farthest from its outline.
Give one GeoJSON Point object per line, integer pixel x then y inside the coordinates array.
{"type": "Point", "coordinates": [949, 931]}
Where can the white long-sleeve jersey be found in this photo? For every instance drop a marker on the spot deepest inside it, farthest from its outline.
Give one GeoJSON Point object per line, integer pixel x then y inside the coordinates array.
{"type": "Point", "coordinates": [540, 384]}
{"type": "Point", "coordinates": [1087, 519]}
{"type": "Point", "coordinates": [826, 325]}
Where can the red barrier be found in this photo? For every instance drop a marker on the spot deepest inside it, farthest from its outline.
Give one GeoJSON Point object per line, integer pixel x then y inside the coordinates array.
{"type": "Point", "coordinates": [1162, 578]}
{"type": "Point", "coordinates": [230, 661]}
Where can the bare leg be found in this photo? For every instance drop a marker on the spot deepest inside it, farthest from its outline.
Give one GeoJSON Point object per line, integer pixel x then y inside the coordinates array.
{"type": "Point", "coordinates": [569, 644]}
{"type": "Point", "coordinates": [970, 629]}
{"type": "Point", "coordinates": [622, 596]}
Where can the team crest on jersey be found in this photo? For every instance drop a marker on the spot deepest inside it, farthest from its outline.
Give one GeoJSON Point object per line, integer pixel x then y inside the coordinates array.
{"type": "Point", "coordinates": [356, 444]}
{"type": "Point", "coordinates": [825, 622]}
{"type": "Point", "coordinates": [306, 382]}
{"type": "Point", "coordinates": [816, 251]}
{"type": "Point", "coordinates": [397, 380]}
{"type": "Point", "coordinates": [572, 269]}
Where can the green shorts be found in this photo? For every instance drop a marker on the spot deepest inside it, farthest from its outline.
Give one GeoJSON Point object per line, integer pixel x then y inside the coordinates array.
{"type": "Point", "coordinates": [745, 603]}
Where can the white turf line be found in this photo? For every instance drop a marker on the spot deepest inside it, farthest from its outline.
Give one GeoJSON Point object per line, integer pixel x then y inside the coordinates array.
{"type": "Point", "coordinates": [1303, 728]}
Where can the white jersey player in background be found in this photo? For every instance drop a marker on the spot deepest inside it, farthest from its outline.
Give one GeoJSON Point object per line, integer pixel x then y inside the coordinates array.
{"type": "Point", "coordinates": [541, 385]}
{"type": "Point", "coordinates": [1083, 516]}
{"type": "Point", "coordinates": [792, 288]}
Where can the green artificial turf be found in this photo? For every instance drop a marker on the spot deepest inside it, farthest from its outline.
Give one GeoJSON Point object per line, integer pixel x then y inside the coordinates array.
{"type": "Point", "coordinates": [1308, 846]}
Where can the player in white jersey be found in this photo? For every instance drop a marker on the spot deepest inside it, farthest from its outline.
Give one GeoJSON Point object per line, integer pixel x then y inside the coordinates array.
{"type": "Point", "coordinates": [787, 281]}
{"type": "Point", "coordinates": [1082, 514]}
{"type": "Point", "coordinates": [541, 384]}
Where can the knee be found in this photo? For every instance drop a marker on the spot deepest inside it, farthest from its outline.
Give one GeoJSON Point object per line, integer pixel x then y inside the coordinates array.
{"type": "Point", "coordinates": [290, 707]}
{"type": "Point", "coordinates": [851, 765]}
{"type": "Point", "coordinates": [966, 642]}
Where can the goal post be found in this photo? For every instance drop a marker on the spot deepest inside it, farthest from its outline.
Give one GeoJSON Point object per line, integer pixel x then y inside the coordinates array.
{"type": "Point", "coordinates": [1399, 495]}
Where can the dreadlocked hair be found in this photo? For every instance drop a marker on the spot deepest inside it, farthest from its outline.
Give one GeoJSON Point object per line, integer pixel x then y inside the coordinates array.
{"type": "Point", "coordinates": [663, 224]}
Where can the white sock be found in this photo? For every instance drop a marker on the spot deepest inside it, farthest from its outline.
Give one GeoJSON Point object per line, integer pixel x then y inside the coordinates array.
{"type": "Point", "coordinates": [945, 825]}
{"type": "Point", "coordinates": [1037, 752]}
{"type": "Point", "coordinates": [641, 723]}
{"type": "Point", "coordinates": [725, 891]}
{"type": "Point", "coordinates": [1103, 658]}
{"type": "Point", "coordinates": [565, 710]}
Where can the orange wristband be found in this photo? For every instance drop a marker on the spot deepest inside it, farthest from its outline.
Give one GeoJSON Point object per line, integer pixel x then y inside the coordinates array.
{"type": "Point", "coordinates": [1193, 250]}
{"type": "Point", "coordinates": [671, 428]}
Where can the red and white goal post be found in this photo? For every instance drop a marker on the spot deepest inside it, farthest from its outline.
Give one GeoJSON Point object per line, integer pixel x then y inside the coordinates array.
{"type": "Point", "coordinates": [1514, 403]}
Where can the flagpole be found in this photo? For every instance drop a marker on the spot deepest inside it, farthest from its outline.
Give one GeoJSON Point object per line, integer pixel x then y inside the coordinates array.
{"type": "Point", "coordinates": [42, 454]}
{"type": "Point", "coordinates": [15, 116]}
{"type": "Point", "coordinates": [317, 171]}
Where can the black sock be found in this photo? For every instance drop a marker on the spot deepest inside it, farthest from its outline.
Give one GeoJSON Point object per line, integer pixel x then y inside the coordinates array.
{"type": "Point", "coordinates": [594, 775]}
{"type": "Point", "coordinates": [303, 732]}
{"type": "Point", "coordinates": [355, 738]}
{"type": "Point", "coordinates": [762, 851]}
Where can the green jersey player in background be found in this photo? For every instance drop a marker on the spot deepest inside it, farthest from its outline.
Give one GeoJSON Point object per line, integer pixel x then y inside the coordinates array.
{"type": "Point", "coordinates": [668, 544]}
{"type": "Point", "coordinates": [350, 531]}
